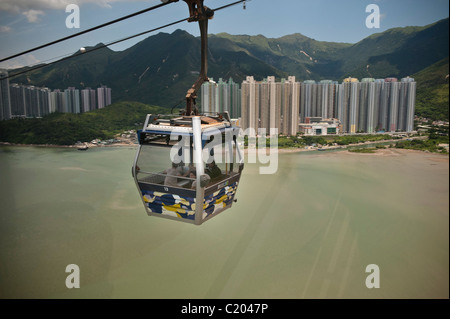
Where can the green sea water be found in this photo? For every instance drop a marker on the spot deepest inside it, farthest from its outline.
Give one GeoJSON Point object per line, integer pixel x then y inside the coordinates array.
{"type": "Point", "coordinates": [308, 231]}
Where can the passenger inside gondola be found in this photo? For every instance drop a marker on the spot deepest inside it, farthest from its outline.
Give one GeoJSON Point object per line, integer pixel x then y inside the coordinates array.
{"type": "Point", "coordinates": [213, 170]}
{"type": "Point", "coordinates": [193, 175]}
{"type": "Point", "coordinates": [172, 176]}
{"type": "Point", "coordinates": [183, 169]}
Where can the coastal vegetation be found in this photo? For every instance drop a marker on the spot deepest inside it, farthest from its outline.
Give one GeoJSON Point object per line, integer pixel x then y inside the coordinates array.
{"type": "Point", "coordinates": [68, 128]}
{"type": "Point", "coordinates": [432, 144]}
{"type": "Point", "coordinates": [330, 140]}
{"type": "Point", "coordinates": [370, 150]}
{"type": "Point", "coordinates": [435, 143]}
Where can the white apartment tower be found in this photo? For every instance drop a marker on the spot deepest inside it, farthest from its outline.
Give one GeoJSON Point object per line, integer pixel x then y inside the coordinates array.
{"type": "Point", "coordinates": [5, 99]}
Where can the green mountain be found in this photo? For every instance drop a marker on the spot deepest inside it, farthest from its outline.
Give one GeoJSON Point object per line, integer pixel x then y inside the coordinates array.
{"type": "Point", "coordinates": [399, 52]}
{"type": "Point", "coordinates": [295, 54]}
{"type": "Point", "coordinates": [160, 69]}
{"type": "Point", "coordinates": [82, 70]}
{"type": "Point", "coordinates": [433, 90]}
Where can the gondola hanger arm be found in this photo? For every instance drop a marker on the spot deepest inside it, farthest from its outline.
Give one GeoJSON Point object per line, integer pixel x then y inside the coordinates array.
{"type": "Point", "coordinates": [201, 14]}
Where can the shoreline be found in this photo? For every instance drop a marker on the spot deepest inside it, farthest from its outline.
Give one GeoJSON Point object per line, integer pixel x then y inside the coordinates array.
{"type": "Point", "coordinates": [67, 146]}
{"type": "Point", "coordinates": [378, 152]}
{"type": "Point", "coordinates": [346, 148]}
{"type": "Point", "coordinates": [335, 149]}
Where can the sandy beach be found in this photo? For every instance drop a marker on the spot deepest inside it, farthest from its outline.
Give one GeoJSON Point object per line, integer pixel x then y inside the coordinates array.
{"type": "Point", "coordinates": [395, 152]}
{"type": "Point", "coordinates": [89, 145]}
{"type": "Point", "coordinates": [327, 151]}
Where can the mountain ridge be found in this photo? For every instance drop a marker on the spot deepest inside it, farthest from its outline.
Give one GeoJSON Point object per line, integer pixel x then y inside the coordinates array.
{"type": "Point", "coordinates": [161, 68]}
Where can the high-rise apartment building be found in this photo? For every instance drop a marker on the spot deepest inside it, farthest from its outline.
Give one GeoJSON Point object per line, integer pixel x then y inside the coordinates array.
{"type": "Point", "coordinates": [393, 106]}
{"type": "Point", "coordinates": [377, 105]}
{"type": "Point", "coordinates": [18, 102]}
{"type": "Point", "coordinates": [368, 106]}
{"type": "Point", "coordinates": [31, 101]}
{"type": "Point", "coordinates": [374, 105]}
{"type": "Point", "coordinates": [271, 99]}
{"type": "Point", "coordinates": [271, 105]}
{"type": "Point", "coordinates": [5, 99]}
{"type": "Point", "coordinates": [307, 100]}
{"type": "Point", "coordinates": [208, 97]}
{"type": "Point", "coordinates": [44, 98]}
{"type": "Point", "coordinates": [407, 103]}
{"type": "Point", "coordinates": [103, 96]}
{"type": "Point", "coordinates": [345, 104]}
{"type": "Point", "coordinates": [57, 101]}
{"type": "Point", "coordinates": [88, 100]}
{"type": "Point", "coordinates": [327, 93]}
{"type": "Point", "coordinates": [71, 100]}
{"type": "Point", "coordinates": [291, 106]}
{"type": "Point", "coordinates": [250, 104]}
{"type": "Point", "coordinates": [276, 99]}
{"type": "Point", "coordinates": [221, 97]}
{"type": "Point", "coordinates": [410, 100]}
{"type": "Point", "coordinates": [354, 106]}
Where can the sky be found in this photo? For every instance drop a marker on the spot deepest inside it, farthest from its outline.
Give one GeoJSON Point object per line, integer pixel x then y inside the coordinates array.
{"type": "Point", "coordinates": [25, 24]}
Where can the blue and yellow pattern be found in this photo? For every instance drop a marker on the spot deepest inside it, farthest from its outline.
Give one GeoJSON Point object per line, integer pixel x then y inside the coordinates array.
{"type": "Point", "coordinates": [219, 200]}
{"type": "Point", "coordinates": [184, 207]}
{"type": "Point", "coordinates": [170, 204]}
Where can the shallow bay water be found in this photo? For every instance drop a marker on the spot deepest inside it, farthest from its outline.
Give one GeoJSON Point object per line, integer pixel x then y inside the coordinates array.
{"type": "Point", "coordinates": [308, 231]}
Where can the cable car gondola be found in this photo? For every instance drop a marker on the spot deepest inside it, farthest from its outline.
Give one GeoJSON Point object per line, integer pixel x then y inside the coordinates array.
{"type": "Point", "coordinates": [188, 167]}
{"type": "Point", "coordinates": [174, 167]}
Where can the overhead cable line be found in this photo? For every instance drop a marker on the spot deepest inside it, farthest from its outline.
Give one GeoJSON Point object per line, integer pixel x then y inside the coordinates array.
{"type": "Point", "coordinates": [114, 42]}
{"type": "Point", "coordinates": [92, 50]}
{"type": "Point", "coordinates": [89, 30]}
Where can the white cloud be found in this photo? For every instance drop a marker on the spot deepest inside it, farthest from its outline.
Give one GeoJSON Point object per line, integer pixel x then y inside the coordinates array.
{"type": "Point", "coordinates": [33, 15]}
{"type": "Point", "coordinates": [17, 6]}
{"type": "Point", "coordinates": [32, 10]}
{"type": "Point", "coordinates": [4, 29]}
{"type": "Point", "coordinates": [19, 62]}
